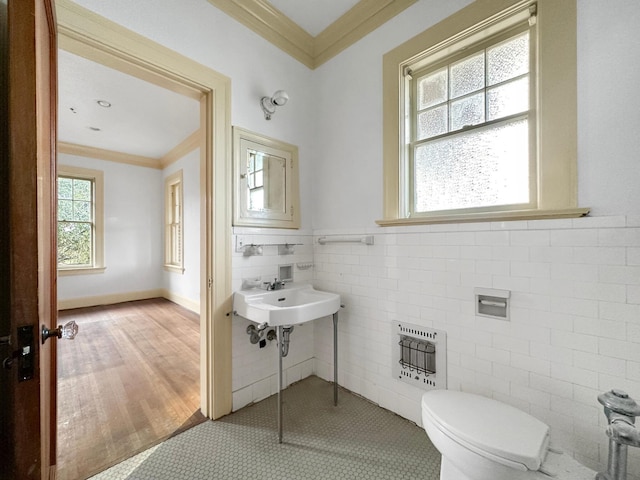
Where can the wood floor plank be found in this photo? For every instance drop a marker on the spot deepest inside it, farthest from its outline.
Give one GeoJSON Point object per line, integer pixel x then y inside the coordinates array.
{"type": "Point", "coordinates": [129, 380]}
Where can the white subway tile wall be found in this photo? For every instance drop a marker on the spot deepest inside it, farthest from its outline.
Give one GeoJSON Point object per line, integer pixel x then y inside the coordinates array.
{"type": "Point", "coordinates": [574, 330]}
{"type": "Point", "coordinates": [254, 369]}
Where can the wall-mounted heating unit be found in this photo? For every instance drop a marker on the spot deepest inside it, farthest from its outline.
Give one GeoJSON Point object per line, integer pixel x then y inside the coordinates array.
{"type": "Point", "coordinates": [420, 356]}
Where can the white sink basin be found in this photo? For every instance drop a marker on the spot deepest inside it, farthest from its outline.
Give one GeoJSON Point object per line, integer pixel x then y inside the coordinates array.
{"type": "Point", "coordinates": [294, 304]}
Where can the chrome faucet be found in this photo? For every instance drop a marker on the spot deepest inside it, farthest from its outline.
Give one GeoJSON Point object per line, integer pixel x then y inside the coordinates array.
{"type": "Point", "coordinates": [276, 285]}
{"type": "Point", "coordinates": [621, 412]}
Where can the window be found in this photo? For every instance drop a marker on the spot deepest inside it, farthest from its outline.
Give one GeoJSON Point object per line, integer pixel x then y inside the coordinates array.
{"type": "Point", "coordinates": [80, 220]}
{"type": "Point", "coordinates": [480, 116]}
{"type": "Point", "coordinates": [255, 179]}
{"type": "Point", "coordinates": [174, 228]}
{"type": "Point", "coordinates": [469, 125]}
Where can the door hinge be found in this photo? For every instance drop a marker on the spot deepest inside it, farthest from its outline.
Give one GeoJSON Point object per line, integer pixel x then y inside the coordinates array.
{"type": "Point", "coordinates": [210, 283]}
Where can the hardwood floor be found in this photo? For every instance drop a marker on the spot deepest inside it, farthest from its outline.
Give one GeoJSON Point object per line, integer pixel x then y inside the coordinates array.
{"type": "Point", "coordinates": [129, 380]}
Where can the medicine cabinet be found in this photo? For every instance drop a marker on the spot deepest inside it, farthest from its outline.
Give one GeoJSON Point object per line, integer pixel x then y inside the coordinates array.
{"type": "Point", "coordinates": [266, 191]}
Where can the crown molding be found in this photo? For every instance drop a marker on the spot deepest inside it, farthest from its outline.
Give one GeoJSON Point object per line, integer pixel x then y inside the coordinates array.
{"type": "Point", "coordinates": [359, 21]}
{"type": "Point", "coordinates": [109, 155]}
{"type": "Point", "coordinates": [183, 148]}
{"type": "Point", "coordinates": [176, 153]}
{"type": "Point", "coordinates": [274, 26]}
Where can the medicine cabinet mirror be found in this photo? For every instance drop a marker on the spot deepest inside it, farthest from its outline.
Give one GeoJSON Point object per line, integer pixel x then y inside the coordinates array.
{"type": "Point", "coordinates": [266, 192]}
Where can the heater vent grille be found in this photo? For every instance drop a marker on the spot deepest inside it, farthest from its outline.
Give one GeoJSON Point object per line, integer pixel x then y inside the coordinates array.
{"type": "Point", "coordinates": [420, 356]}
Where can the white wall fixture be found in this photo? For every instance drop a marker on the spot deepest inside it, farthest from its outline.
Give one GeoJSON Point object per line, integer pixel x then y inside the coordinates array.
{"type": "Point", "coordinates": [366, 239]}
{"type": "Point", "coordinates": [493, 303]}
{"type": "Point", "coordinates": [269, 104]}
{"type": "Point", "coordinates": [285, 272]}
{"type": "Point", "coordinates": [419, 356]}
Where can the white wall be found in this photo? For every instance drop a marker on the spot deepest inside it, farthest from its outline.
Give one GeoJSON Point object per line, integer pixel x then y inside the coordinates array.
{"type": "Point", "coordinates": [608, 118]}
{"type": "Point", "coordinates": [575, 326]}
{"type": "Point", "coordinates": [575, 283]}
{"type": "Point", "coordinates": [185, 288]}
{"type": "Point", "coordinates": [133, 205]}
{"type": "Point", "coordinates": [348, 160]}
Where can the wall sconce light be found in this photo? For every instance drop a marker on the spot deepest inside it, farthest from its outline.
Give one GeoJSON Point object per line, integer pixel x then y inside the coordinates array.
{"type": "Point", "coordinates": [269, 104]}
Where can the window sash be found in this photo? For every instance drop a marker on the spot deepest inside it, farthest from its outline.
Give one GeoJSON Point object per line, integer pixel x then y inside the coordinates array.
{"type": "Point", "coordinates": [91, 222]}
{"type": "Point", "coordinates": [174, 223]}
{"type": "Point", "coordinates": [460, 52]}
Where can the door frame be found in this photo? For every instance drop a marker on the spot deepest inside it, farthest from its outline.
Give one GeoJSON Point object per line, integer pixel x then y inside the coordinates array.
{"type": "Point", "coordinates": [89, 35]}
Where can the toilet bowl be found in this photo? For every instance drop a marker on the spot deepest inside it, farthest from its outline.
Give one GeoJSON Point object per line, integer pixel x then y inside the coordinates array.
{"type": "Point", "coordinates": [483, 439]}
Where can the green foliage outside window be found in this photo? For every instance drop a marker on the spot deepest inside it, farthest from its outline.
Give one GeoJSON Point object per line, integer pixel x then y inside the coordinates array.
{"type": "Point", "coordinates": [75, 222]}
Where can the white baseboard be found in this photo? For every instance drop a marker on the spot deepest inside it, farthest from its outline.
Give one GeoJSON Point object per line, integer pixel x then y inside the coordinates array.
{"type": "Point", "coordinates": [188, 303]}
{"type": "Point", "coordinates": [110, 299]}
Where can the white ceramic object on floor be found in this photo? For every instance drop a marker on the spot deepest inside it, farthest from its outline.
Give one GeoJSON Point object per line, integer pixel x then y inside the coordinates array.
{"type": "Point", "coordinates": [483, 439]}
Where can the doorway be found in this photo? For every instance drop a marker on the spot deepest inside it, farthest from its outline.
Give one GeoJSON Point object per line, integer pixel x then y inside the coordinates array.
{"type": "Point", "coordinates": [84, 33]}
{"type": "Point", "coordinates": [131, 378]}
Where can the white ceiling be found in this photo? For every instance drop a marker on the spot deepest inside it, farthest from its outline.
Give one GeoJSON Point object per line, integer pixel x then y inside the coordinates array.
{"type": "Point", "coordinates": [314, 15]}
{"type": "Point", "coordinates": [145, 119]}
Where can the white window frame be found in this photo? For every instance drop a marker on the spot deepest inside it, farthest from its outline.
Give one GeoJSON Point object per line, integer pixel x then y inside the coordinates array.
{"type": "Point", "coordinates": [97, 177]}
{"type": "Point", "coordinates": [174, 243]}
{"type": "Point", "coordinates": [554, 110]}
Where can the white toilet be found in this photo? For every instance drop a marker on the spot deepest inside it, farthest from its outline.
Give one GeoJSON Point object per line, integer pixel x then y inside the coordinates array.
{"type": "Point", "coordinates": [483, 439]}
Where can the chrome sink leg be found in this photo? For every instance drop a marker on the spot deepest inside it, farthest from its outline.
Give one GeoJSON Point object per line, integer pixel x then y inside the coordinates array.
{"type": "Point", "coordinates": [335, 359]}
{"type": "Point", "coordinates": [280, 344]}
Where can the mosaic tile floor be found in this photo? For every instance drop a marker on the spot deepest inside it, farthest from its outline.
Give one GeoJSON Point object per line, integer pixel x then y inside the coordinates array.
{"type": "Point", "coordinates": [355, 440]}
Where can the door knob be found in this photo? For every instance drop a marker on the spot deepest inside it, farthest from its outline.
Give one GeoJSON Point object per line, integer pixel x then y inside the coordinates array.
{"type": "Point", "coordinates": [69, 331]}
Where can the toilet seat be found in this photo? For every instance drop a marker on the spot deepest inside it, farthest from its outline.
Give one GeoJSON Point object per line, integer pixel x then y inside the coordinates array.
{"type": "Point", "coordinates": [494, 430]}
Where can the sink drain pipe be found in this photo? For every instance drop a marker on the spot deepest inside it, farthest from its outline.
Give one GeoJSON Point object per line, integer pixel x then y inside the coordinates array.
{"type": "Point", "coordinates": [286, 332]}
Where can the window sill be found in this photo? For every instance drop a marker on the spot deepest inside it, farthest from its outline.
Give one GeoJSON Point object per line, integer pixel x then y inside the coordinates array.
{"type": "Point", "coordinates": [174, 269]}
{"type": "Point", "coordinates": [63, 272]}
{"type": "Point", "coordinates": [486, 217]}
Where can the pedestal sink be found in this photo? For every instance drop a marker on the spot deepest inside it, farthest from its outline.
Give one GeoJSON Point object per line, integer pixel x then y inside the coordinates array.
{"type": "Point", "coordinates": [294, 304]}
{"type": "Point", "coordinates": [284, 308]}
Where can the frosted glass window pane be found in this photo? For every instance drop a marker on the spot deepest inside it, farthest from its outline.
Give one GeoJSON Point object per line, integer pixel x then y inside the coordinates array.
{"type": "Point", "coordinates": [432, 122]}
{"type": "Point", "coordinates": [432, 89]}
{"type": "Point", "coordinates": [467, 111]}
{"type": "Point", "coordinates": [481, 168]}
{"type": "Point", "coordinates": [508, 99]}
{"type": "Point", "coordinates": [467, 75]}
{"type": "Point", "coordinates": [508, 59]}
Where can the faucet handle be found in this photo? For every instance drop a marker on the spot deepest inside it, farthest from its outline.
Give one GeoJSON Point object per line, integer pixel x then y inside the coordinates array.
{"type": "Point", "coordinates": [619, 401]}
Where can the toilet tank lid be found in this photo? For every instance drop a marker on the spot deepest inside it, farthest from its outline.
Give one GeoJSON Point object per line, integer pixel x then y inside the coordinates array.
{"type": "Point", "coordinates": [489, 426]}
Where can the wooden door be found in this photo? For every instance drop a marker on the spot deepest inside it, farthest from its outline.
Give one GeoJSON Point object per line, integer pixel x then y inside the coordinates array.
{"type": "Point", "coordinates": [27, 253]}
